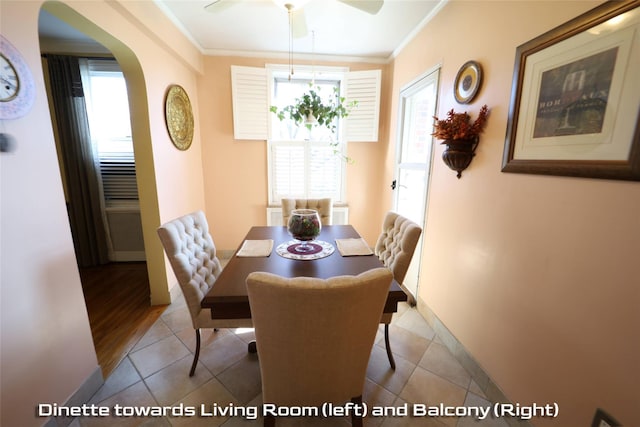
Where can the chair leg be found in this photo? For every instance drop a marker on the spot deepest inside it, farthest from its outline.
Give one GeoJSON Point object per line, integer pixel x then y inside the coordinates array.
{"type": "Point", "coordinates": [196, 355]}
{"type": "Point", "coordinates": [392, 362]}
{"type": "Point", "coordinates": [411, 300]}
{"type": "Point", "coordinates": [356, 421]}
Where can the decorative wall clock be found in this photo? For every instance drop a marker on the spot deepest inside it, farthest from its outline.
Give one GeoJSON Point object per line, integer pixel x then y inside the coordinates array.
{"type": "Point", "coordinates": [179, 117]}
{"type": "Point", "coordinates": [467, 82]}
{"type": "Point", "coordinates": [17, 90]}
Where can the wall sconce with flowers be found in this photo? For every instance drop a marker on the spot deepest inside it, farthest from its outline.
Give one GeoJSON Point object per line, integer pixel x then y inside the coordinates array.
{"type": "Point", "coordinates": [460, 136]}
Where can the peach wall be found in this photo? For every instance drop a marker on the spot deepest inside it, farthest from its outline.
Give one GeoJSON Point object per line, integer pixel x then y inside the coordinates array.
{"type": "Point", "coordinates": [535, 275]}
{"type": "Point", "coordinates": [235, 172]}
{"type": "Point", "coordinates": [47, 349]}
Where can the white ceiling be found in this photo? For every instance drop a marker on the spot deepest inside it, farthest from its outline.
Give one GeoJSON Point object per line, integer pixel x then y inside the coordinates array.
{"type": "Point", "coordinates": [334, 28]}
{"type": "Point", "coordinates": [260, 27]}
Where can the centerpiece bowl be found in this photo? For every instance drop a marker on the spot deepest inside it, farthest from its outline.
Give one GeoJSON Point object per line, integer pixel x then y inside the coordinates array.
{"type": "Point", "coordinates": [304, 225]}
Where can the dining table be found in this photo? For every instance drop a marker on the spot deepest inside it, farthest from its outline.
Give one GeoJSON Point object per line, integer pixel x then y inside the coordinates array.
{"type": "Point", "coordinates": [228, 299]}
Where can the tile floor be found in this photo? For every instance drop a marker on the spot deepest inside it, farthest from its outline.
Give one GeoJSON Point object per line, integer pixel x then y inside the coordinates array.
{"type": "Point", "coordinates": [155, 374]}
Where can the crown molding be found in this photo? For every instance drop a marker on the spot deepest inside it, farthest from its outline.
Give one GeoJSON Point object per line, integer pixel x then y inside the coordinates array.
{"type": "Point", "coordinates": [297, 56]}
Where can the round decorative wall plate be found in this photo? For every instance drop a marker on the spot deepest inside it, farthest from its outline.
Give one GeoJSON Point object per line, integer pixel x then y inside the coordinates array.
{"type": "Point", "coordinates": [467, 82]}
{"type": "Point", "coordinates": [179, 117]}
{"type": "Point", "coordinates": [17, 89]}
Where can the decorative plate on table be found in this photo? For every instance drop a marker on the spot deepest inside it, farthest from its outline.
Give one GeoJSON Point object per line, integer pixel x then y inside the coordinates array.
{"type": "Point", "coordinates": [467, 82]}
{"type": "Point", "coordinates": [179, 117]}
{"type": "Point", "coordinates": [317, 249]}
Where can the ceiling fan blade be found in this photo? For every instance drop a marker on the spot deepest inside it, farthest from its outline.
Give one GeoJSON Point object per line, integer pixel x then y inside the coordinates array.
{"type": "Point", "coordinates": [299, 23]}
{"type": "Point", "coordinates": [369, 6]}
{"type": "Point", "coordinates": [218, 5]}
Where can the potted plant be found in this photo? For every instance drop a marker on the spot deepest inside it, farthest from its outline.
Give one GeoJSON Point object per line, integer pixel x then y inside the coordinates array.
{"type": "Point", "coordinates": [461, 137]}
{"type": "Point", "coordinates": [310, 110]}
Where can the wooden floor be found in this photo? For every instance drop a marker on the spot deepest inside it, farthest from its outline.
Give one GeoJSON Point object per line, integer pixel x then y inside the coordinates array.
{"type": "Point", "coordinates": [118, 302]}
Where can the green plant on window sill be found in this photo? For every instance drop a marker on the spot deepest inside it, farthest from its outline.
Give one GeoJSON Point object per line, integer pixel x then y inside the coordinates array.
{"type": "Point", "coordinates": [310, 110]}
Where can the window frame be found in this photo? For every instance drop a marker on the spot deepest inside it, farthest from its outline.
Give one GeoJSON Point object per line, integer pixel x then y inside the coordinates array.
{"type": "Point", "coordinates": [309, 73]}
{"type": "Point", "coordinates": [117, 169]}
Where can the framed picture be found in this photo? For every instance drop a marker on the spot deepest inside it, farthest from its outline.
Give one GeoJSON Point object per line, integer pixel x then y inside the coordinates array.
{"type": "Point", "coordinates": [602, 419]}
{"type": "Point", "coordinates": [575, 100]}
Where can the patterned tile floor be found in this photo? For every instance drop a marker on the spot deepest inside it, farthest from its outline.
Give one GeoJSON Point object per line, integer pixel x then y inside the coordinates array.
{"type": "Point", "coordinates": [155, 375]}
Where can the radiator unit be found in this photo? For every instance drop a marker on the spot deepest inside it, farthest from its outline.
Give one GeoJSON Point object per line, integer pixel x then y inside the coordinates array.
{"type": "Point", "coordinates": [340, 215]}
{"type": "Point", "coordinates": [124, 232]}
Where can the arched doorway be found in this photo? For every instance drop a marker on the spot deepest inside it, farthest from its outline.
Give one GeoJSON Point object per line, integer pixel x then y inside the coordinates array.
{"type": "Point", "coordinates": [156, 287]}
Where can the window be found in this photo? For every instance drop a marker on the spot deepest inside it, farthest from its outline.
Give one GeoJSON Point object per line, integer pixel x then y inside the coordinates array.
{"type": "Point", "coordinates": [109, 120]}
{"type": "Point", "coordinates": [304, 163]}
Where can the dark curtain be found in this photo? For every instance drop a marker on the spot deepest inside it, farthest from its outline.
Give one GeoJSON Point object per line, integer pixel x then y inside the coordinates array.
{"type": "Point", "coordinates": [80, 167]}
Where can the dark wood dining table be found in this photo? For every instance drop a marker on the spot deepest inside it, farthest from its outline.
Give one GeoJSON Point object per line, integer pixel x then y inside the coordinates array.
{"type": "Point", "coordinates": [228, 298]}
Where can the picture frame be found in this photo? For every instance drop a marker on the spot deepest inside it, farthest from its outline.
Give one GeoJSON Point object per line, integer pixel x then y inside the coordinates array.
{"type": "Point", "coordinates": [575, 109]}
{"type": "Point", "coordinates": [467, 83]}
{"type": "Point", "coordinates": [602, 419]}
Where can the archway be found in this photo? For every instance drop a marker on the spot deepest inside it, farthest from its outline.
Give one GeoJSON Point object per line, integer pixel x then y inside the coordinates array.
{"type": "Point", "coordinates": [137, 95]}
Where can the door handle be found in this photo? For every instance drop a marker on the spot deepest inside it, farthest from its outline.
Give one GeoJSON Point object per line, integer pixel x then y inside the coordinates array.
{"type": "Point", "coordinates": [393, 184]}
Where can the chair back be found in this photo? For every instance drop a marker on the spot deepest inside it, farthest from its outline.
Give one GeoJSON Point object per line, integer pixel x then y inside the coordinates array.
{"type": "Point", "coordinates": [192, 255]}
{"type": "Point", "coordinates": [397, 243]}
{"type": "Point", "coordinates": [314, 336]}
{"type": "Point", "coordinates": [323, 206]}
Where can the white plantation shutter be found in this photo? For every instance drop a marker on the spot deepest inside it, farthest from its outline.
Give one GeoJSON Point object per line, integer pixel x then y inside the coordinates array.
{"type": "Point", "coordinates": [303, 169]}
{"type": "Point", "coordinates": [287, 166]}
{"type": "Point", "coordinates": [250, 102]}
{"type": "Point", "coordinates": [325, 172]}
{"type": "Point", "coordinates": [362, 123]}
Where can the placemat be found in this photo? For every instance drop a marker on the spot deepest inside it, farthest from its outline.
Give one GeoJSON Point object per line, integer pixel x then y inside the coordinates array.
{"type": "Point", "coordinates": [256, 248]}
{"type": "Point", "coordinates": [353, 247]}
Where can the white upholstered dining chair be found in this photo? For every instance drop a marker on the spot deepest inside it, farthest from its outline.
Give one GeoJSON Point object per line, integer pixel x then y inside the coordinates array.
{"type": "Point", "coordinates": [395, 247]}
{"type": "Point", "coordinates": [323, 206]}
{"type": "Point", "coordinates": [314, 336]}
{"type": "Point", "coordinates": [192, 254]}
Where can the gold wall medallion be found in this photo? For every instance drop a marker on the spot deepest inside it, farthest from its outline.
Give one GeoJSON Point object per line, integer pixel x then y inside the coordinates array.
{"type": "Point", "coordinates": [179, 117]}
{"type": "Point", "coordinates": [468, 81]}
